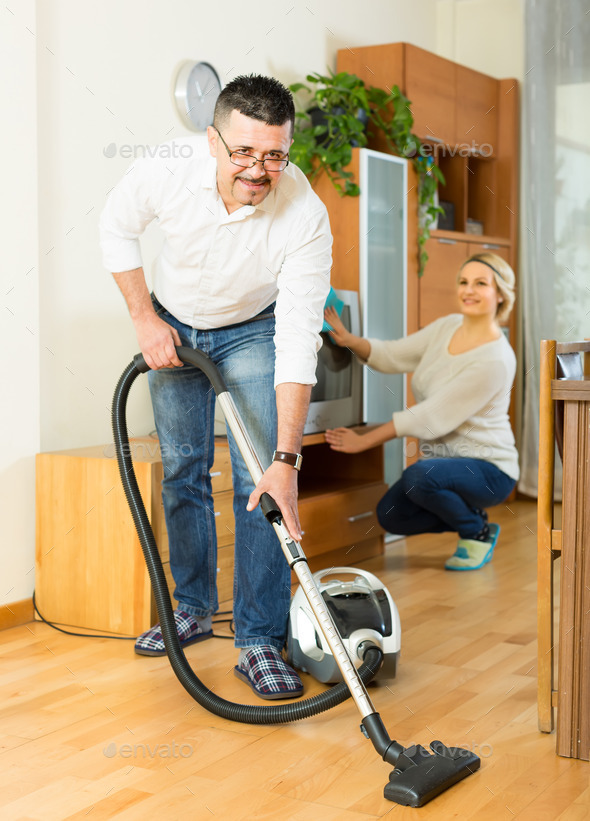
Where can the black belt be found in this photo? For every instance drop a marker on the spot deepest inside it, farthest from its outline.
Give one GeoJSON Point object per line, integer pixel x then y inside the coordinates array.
{"type": "Point", "coordinates": [264, 314]}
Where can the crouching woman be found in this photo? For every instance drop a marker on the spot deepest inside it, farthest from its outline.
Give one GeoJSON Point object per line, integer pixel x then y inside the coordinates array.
{"type": "Point", "coordinates": [463, 372]}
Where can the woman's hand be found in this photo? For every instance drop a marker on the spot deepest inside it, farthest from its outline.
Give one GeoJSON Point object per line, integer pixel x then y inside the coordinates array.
{"type": "Point", "coordinates": [339, 334]}
{"type": "Point", "coordinates": [346, 440]}
{"type": "Point", "coordinates": [345, 339]}
{"type": "Point", "coordinates": [349, 441]}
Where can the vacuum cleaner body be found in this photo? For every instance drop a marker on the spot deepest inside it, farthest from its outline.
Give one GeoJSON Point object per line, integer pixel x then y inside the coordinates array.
{"type": "Point", "coordinates": [364, 614]}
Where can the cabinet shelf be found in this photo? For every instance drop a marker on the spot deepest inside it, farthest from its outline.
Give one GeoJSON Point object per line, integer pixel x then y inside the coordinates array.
{"type": "Point", "coordinates": [319, 487]}
{"type": "Point", "coordinates": [463, 236]}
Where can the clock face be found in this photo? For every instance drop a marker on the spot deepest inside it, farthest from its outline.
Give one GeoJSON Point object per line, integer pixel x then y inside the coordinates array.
{"type": "Point", "coordinates": [197, 89]}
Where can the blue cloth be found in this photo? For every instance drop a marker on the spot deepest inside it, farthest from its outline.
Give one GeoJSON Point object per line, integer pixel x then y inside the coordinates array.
{"type": "Point", "coordinates": [184, 404]}
{"type": "Point", "coordinates": [443, 494]}
{"type": "Point", "coordinates": [332, 301]}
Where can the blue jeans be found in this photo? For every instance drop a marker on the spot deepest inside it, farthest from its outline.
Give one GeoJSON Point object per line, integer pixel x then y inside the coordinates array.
{"type": "Point", "coordinates": [184, 407]}
{"type": "Point", "coordinates": [443, 494]}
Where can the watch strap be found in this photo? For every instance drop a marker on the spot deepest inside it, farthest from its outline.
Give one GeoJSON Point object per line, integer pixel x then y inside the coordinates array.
{"type": "Point", "coordinates": [293, 459]}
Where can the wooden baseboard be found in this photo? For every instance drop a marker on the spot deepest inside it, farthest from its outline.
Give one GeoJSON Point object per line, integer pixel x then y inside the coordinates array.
{"type": "Point", "coordinates": [15, 613]}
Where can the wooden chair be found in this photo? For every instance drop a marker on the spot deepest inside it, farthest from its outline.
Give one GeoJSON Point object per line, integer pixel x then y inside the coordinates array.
{"type": "Point", "coordinates": [558, 361]}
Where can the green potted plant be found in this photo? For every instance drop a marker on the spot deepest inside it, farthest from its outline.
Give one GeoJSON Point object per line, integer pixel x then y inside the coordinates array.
{"type": "Point", "coordinates": [333, 122]}
{"type": "Point", "coordinates": [342, 112]}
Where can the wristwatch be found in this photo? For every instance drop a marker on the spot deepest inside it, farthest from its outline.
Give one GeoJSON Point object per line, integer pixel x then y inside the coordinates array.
{"type": "Point", "coordinates": [293, 459]}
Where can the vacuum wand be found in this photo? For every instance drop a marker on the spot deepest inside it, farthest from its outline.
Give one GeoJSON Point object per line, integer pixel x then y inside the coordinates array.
{"type": "Point", "coordinates": [296, 558]}
{"type": "Point", "coordinates": [418, 775]}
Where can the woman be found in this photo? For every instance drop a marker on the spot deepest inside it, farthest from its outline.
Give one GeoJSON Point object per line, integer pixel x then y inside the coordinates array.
{"type": "Point", "coordinates": [463, 371]}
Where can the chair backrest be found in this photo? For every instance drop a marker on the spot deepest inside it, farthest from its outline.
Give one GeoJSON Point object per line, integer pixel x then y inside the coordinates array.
{"type": "Point", "coordinates": [569, 364]}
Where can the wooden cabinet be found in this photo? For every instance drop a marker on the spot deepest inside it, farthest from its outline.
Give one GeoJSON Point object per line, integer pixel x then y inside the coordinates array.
{"type": "Point", "coordinates": [469, 123]}
{"type": "Point", "coordinates": [476, 110]}
{"type": "Point", "coordinates": [338, 495]}
{"type": "Point", "coordinates": [451, 104]}
{"type": "Point", "coordinates": [437, 285]}
{"type": "Point", "coordinates": [370, 255]}
{"type": "Point", "coordinates": [90, 570]}
{"type": "Point", "coordinates": [430, 85]}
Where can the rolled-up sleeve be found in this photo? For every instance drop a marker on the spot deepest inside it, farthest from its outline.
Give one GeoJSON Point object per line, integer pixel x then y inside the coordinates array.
{"type": "Point", "coordinates": [127, 213]}
{"type": "Point", "coordinates": [303, 284]}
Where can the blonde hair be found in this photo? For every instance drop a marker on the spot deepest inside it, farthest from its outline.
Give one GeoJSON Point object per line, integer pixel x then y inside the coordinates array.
{"type": "Point", "coordinates": [503, 277]}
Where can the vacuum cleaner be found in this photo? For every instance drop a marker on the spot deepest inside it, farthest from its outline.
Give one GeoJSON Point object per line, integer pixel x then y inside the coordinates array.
{"type": "Point", "coordinates": [418, 774]}
{"type": "Point", "coordinates": [364, 614]}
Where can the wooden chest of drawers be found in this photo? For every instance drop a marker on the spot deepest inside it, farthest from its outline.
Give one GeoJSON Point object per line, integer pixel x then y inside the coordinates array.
{"type": "Point", "coordinates": [90, 570]}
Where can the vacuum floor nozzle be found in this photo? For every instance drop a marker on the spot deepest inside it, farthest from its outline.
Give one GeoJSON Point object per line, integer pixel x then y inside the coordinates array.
{"type": "Point", "coordinates": [419, 776]}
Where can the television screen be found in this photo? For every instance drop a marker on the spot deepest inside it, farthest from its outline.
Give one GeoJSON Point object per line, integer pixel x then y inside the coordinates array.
{"type": "Point", "coordinates": [336, 398]}
{"type": "Point", "coordinates": [334, 372]}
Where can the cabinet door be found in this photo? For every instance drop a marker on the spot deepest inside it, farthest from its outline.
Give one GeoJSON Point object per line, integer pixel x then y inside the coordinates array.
{"type": "Point", "coordinates": [90, 568]}
{"type": "Point", "coordinates": [438, 285]}
{"type": "Point", "coordinates": [477, 111]}
{"type": "Point", "coordinates": [488, 248]}
{"type": "Point", "coordinates": [383, 261]}
{"type": "Point", "coordinates": [430, 86]}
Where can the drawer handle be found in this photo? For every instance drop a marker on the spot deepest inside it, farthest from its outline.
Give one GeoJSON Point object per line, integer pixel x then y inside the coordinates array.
{"type": "Point", "coordinates": [448, 241]}
{"type": "Point", "coordinates": [360, 516]}
{"type": "Point", "coordinates": [490, 245]}
{"type": "Point", "coordinates": [215, 473]}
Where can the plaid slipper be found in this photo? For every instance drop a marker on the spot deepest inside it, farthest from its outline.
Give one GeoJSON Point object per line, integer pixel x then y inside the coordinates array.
{"type": "Point", "coordinates": [472, 554]}
{"type": "Point", "coordinates": [264, 670]}
{"type": "Point", "coordinates": [151, 643]}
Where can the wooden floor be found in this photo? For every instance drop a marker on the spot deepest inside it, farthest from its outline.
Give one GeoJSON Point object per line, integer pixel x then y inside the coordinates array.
{"type": "Point", "coordinates": [90, 731]}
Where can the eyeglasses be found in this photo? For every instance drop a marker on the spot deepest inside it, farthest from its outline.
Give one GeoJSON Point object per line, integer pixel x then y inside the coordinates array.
{"type": "Point", "coordinates": [248, 161]}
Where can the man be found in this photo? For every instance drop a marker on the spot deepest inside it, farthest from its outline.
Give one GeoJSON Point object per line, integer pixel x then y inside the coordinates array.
{"type": "Point", "coordinates": [242, 275]}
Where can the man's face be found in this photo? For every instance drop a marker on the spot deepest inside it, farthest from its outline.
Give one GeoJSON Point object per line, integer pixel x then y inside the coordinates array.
{"type": "Point", "coordinates": [247, 186]}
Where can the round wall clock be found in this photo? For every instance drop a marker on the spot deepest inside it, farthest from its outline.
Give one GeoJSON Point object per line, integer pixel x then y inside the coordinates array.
{"type": "Point", "coordinates": [195, 92]}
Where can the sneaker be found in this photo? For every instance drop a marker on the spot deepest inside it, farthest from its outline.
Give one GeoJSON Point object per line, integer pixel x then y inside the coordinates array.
{"type": "Point", "coordinates": [151, 643]}
{"type": "Point", "coordinates": [263, 669]}
{"type": "Point", "coordinates": [471, 554]}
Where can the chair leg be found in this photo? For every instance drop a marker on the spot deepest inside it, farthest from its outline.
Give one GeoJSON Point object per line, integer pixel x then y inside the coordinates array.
{"type": "Point", "coordinates": [545, 646]}
{"type": "Point", "coordinates": [544, 539]}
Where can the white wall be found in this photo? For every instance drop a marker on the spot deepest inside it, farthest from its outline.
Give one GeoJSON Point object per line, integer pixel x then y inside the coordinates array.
{"type": "Point", "coordinates": [486, 35]}
{"type": "Point", "coordinates": [104, 76]}
{"type": "Point", "coordinates": [19, 323]}
{"type": "Point", "coordinates": [106, 80]}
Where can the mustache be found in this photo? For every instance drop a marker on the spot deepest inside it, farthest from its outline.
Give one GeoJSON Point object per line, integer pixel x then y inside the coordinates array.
{"type": "Point", "coordinates": [252, 179]}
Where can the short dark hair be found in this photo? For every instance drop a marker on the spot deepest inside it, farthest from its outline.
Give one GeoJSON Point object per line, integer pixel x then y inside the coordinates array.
{"type": "Point", "coordinates": [262, 98]}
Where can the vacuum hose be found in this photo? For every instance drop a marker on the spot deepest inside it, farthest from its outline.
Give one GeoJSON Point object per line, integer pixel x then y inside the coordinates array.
{"type": "Point", "coordinates": [245, 713]}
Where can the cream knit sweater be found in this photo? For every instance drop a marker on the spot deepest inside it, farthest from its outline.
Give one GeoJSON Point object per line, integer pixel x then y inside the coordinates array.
{"type": "Point", "coordinates": [461, 400]}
